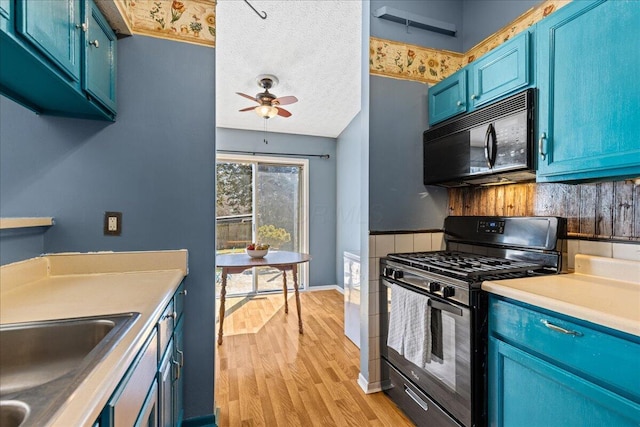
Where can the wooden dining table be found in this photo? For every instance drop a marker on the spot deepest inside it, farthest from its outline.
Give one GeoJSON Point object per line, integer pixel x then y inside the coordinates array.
{"type": "Point", "coordinates": [282, 260]}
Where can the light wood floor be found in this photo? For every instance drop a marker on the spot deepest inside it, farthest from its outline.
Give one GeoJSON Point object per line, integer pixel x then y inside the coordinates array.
{"type": "Point", "coordinates": [269, 375]}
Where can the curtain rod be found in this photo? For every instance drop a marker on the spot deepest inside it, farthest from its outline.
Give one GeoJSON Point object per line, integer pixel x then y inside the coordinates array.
{"type": "Point", "coordinates": [254, 153]}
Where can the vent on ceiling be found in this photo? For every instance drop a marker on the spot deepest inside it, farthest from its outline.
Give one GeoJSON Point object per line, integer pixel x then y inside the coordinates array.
{"type": "Point", "coordinates": [413, 20]}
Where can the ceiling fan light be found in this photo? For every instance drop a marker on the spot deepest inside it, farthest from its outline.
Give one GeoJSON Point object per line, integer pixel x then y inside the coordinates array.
{"type": "Point", "coordinates": [266, 111]}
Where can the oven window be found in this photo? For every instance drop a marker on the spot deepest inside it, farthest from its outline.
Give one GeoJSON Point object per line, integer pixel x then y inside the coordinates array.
{"type": "Point", "coordinates": [443, 348]}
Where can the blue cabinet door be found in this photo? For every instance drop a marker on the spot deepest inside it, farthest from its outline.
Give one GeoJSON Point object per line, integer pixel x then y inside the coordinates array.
{"type": "Point", "coordinates": [589, 91]}
{"type": "Point", "coordinates": [448, 98]}
{"type": "Point", "coordinates": [501, 71]}
{"type": "Point", "coordinates": [527, 391]}
{"type": "Point", "coordinates": [53, 28]}
{"type": "Point", "coordinates": [178, 384]}
{"type": "Point", "coordinates": [100, 58]}
{"type": "Point", "coordinates": [6, 21]}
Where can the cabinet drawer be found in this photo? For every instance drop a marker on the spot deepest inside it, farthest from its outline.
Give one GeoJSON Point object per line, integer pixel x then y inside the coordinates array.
{"type": "Point", "coordinates": [125, 405]}
{"type": "Point", "coordinates": [413, 402]}
{"type": "Point", "coordinates": [607, 360]}
{"type": "Point", "coordinates": [165, 328]}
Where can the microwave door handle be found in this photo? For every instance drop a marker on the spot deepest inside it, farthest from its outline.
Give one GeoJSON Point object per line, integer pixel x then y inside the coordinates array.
{"type": "Point", "coordinates": [490, 135]}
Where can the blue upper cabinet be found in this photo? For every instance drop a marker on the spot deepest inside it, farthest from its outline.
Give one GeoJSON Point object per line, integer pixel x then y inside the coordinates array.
{"type": "Point", "coordinates": [58, 58]}
{"type": "Point", "coordinates": [100, 53]}
{"type": "Point", "coordinates": [448, 98]}
{"type": "Point", "coordinates": [497, 74]}
{"type": "Point", "coordinates": [50, 27]}
{"type": "Point", "coordinates": [588, 71]}
{"type": "Point", "coordinates": [501, 72]}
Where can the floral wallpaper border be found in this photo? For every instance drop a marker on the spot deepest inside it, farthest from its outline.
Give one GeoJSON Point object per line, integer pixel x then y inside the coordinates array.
{"type": "Point", "coordinates": [192, 21]}
{"type": "Point", "coordinates": [410, 62]}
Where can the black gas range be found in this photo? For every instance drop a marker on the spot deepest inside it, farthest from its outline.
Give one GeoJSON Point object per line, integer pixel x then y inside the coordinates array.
{"type": "Point", "coordinates": [434, 316]}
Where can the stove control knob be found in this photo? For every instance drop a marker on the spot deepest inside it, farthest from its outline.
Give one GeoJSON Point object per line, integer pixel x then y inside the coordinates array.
{"type": "Point", "coordinates": [434, 286]}
{"type": "Point", "coordinates": [386, 272]}
{"type": "Point", "coordinates": [396, 274]}
{"type": "Point", "coordinates": [448, 291]}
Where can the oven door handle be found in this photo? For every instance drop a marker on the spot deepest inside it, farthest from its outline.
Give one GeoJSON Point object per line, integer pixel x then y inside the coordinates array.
{"type": "Point", "coordinates": [432, 302]}
{"type": "Point", "coordinates": [445, 307]}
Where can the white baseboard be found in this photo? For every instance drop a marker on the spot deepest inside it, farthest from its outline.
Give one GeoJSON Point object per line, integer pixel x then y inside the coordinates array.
{"type": "Point", "coordinates": [325, 288]}
{"type": "Point", "coordinates": [368, 387]}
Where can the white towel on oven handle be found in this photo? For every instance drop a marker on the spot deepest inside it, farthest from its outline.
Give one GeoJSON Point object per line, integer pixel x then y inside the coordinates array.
{"type": "Point", "coordinates": [410, 325]}
{"type": "Point", "coordinates": [397, 324]}
{"type": "Point", "coordinates": [417, 336]}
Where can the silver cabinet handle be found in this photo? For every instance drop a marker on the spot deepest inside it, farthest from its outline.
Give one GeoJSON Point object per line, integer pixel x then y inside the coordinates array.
{"type": "Point", "coordinates": [560, 329]}
{"type": "Point", "coordinates": [474, 96]}
{"type": "Point", "coordinates": [459, 103]}
{"type": "Point", "coordinates": [181, 354]}
{"type": "Point", "coordinates": [177, 366]}
{"type": "Point", "coordinates": [170, 316]}
{"type": "Point", "coordinates": [543, 136]}
{"type": "Point", "coordinates": [421, 403]}
{"type": "Point", "coordinates": [84, 27]}
{"type": "Point", "coordinates": [183, 292]}
{"type": "Point", "coordinates": [95, 43]}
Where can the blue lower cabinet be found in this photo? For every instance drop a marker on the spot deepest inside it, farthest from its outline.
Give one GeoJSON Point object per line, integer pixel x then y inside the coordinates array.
{"type": "Point", "coordinates": [150, 394]}
{"type": "Point", "coordinates": [547, 369]}
{"type": "Point", "coordinates": [6, 17]}
{"type": "Point", "coordinates": [178, 380]}
{"type": "Point", "coordinates": [527, 391]}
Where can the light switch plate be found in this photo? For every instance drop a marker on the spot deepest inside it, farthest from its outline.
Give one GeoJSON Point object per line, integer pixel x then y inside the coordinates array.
{"type": "Point", "coordinates": [112, 223]}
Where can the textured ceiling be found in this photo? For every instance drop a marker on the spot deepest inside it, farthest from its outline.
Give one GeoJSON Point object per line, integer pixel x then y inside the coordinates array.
{"type": "Point", "coordinates": [312, 46]}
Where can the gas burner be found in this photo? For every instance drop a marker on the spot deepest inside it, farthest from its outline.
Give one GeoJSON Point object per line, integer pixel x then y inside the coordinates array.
{"type": "Point", "coordinates": [463, 264]}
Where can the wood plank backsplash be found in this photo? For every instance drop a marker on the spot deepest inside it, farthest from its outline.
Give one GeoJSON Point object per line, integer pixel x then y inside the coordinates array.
{"type": "Point", "coordinates": [606, 210]}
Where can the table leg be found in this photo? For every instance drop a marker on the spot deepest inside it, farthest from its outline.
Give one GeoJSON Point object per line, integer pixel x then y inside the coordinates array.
{"type": "Point", "coordinates": [223, 294]}
{"type": "Point", "coordinates": [284, 289]}
{"type": "Point", "coordinates": [294, 270]}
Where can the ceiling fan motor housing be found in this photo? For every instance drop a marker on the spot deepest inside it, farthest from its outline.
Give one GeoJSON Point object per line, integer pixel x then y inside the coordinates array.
{"type": "Point", "coordinates": [267, 81]}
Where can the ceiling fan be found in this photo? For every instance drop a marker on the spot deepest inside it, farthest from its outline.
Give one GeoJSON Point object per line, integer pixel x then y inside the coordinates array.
{"type": "Point", "coordinates": [269, 103]}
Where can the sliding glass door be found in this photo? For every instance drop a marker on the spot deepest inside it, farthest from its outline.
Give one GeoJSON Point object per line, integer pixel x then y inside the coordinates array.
{"type": "Point", "coordinates": [261, 200]}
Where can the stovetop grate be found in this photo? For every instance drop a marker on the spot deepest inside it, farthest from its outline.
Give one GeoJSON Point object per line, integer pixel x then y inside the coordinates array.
{"type": "Point", "coordinates": [464, 264]}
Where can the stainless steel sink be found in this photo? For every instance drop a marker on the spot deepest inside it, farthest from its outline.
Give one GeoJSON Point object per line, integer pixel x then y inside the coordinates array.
{"type": "Point", "coordinates": [42, 363]}
{"type": "Point", "coordinates": [12, 413]}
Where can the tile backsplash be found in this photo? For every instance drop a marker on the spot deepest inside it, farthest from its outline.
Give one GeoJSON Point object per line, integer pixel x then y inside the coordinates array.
{"type": "Point", "coordinates": [379, 246]}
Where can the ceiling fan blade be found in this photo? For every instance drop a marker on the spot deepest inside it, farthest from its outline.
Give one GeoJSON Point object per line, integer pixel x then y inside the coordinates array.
{"type": "Point", "coordinates": [247, 109]}
{"type": "Point", "coordinates": [283, 113]}
{"type": "Point", "coordinates": [248, 97]}
{"type": "Point", "coordinates": [285, 100]}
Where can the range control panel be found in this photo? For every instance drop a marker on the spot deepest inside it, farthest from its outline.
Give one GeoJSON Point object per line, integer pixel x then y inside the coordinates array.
{"type": "Point", "coordinates": [491, 226]}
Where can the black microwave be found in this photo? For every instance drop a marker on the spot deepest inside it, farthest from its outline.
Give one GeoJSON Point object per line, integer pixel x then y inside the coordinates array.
{"type": "Point", "coordinates": [491, 145]}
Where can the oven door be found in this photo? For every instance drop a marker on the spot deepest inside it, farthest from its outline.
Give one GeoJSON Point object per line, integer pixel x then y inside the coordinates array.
{"type": "Point", "coordinates": [445, 377]}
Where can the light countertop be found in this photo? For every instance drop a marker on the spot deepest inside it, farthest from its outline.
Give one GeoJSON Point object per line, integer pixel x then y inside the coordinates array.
{"type": "Point", "coordinates": [77, 285]}
{"type": "Point", "coordinates": [603, 291]}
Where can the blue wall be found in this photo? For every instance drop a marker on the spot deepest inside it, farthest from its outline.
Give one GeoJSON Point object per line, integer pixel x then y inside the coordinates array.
{"type": "Point", "coordinates": [21, 243]}
{"type": "Point", "coordinates": [397, 198]}
{"type": "Point", "coordinates": [349, 174]}
{"type": "Point", "coordinates": [322, 189]}
{"type": "Point", "coordinates": [398, 116]}
{"type": "Point", "coordinates": [449, 11]}
{"type": "Point", "coordinates": [155, 165]}
{"type": "Point", "coordinates": [481, 18]}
